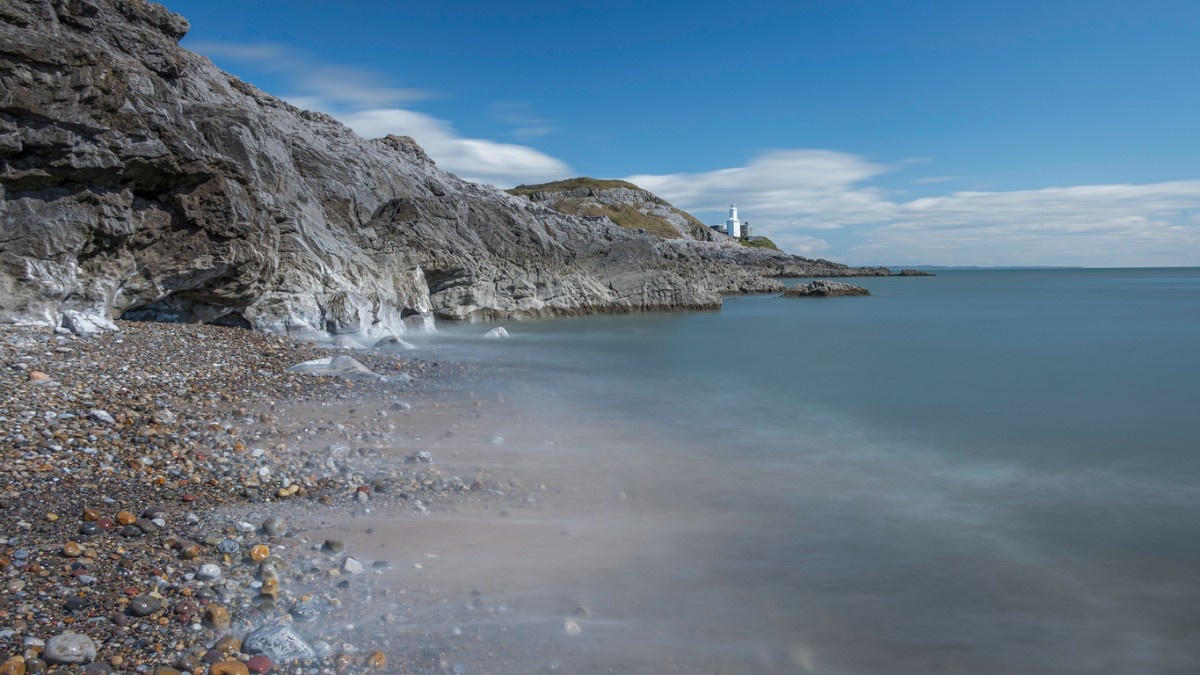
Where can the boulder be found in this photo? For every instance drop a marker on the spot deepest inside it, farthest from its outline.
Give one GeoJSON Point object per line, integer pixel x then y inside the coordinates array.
{"type": "Point", "coordinates": [336, 366]}
{"type": "Point", "coordinates": [278, 643]}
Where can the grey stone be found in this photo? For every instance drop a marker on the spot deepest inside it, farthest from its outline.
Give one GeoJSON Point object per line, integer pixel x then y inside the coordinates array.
{"type": "Point", "coordinates": [393, 344]}
{"type": "Point", "coordinates": [208, 572]}
{"type": "Point", "coordinates": [102, 416]}
{"type": "Point", "coordinates": [70, 648]}
{"type": "Point", "coordinates": [144, 605]}
{"type": "Point", "coordinates": [278, 643]}
{"type": "Point", "coordinates": [274, 526]}
{"type": "Point", "coordinates": [305, 611]}
{"type": "Point", "coordinates": [422, 457]}
{"type": "Point", "coordinates": [336, 366]}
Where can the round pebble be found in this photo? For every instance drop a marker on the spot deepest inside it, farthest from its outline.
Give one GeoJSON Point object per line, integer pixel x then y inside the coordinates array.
{"type": "Point", "coordinates": [229, 668]}
{"type": "Point", "coordinates": [72, 549]}
{"type": "Point", "coordinates": [274, 526]}
{"type": "Point", "coordinates": [144, 605]}
{"type": "Point", "coordinates": [228, 645]}
{"type": "Point", "coordinates": [208, 572]}
{"type": "Point", "coordinates": [259, 553]}
{"type": "Point", "coordinates": [259, 664]}
{"type": "Point", "coordinates": [70, 648]}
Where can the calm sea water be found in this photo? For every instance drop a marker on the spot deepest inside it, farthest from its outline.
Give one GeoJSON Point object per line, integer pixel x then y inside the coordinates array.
{"type": "Point", "coordinates": [978, 472]}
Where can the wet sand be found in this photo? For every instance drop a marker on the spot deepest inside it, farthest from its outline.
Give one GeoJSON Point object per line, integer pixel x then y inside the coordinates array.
{"type": "Point", "coordinates": [594, 552]}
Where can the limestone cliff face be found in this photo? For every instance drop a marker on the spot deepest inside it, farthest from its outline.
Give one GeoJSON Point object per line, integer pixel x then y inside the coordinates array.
{"type": "Point", "coordinates": [138, 180]}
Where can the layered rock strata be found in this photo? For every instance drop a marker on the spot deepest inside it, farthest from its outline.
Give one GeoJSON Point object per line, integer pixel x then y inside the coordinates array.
{"type": "Point", "coordinates": [139, 181]}
{"type": "Point", "coordinates": [824, 289]}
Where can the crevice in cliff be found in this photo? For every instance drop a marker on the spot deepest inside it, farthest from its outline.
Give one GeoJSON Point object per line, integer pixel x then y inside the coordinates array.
{"type": "Point", "coordinates": [183, 308]}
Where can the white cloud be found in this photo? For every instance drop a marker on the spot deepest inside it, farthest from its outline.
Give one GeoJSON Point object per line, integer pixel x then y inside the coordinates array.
{"type": "Point", "coordinates": [1096, 225]}
{"type": "Point", "coordinates": [787, 189]}
{"type": "Point", "coordinates": [788, 193]}
{"type": "Point", "coordinates": [371, 106]}
{"type": "Point", "coordinates": [474, 159]}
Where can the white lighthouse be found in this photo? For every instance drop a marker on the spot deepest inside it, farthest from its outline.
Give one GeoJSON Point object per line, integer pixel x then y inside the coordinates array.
{"type": "Point", "coordinates": [733, 227]}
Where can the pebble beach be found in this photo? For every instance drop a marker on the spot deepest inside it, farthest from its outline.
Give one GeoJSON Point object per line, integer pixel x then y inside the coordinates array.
{"type": "Point", "coordinates": [160, 486]}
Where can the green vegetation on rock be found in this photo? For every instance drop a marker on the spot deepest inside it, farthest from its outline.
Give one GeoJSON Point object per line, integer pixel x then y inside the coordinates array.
{"type": "Point", "coordinates": [572, 184]}
{"type": "Point", "coordinates": [758, 242]}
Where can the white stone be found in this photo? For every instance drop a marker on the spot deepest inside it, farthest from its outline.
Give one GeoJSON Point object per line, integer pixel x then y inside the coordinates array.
{"type": "Point", "coordinates": [352, 566]}
{"type": "Point", "coordinates": [70, 648]}
{"type": "Point", "coordinates": [208, 572]}
{"type": "Point", "coordinates": [86, 324]}
{"type": "Point", "coordinates": [101, 416]}
{"type": "Point", "coordinates": [497, 332]}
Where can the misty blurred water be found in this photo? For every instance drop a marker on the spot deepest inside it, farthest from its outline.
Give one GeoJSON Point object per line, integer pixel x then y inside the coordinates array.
{"type": "Point", "coordinates": [978, 472]}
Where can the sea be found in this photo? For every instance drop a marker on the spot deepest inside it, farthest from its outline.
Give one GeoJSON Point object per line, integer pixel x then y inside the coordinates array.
{"type": "Point", "coordinates": [981, 471]}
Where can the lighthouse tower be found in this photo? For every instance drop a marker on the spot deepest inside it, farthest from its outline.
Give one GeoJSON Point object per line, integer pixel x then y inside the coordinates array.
{"type": "Point", "coordinates": [733, 227]}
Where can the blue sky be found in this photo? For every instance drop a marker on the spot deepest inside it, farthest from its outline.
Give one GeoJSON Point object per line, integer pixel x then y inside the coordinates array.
{"type": "Point", "coordinates": [865, 131]}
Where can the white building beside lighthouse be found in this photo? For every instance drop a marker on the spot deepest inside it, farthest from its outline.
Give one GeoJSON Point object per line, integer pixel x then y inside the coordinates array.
{"type": "Point", "coordinates": [733, 226]}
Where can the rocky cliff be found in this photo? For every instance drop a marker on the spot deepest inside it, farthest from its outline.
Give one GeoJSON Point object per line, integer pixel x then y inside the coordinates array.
{"type": "Point", "coordinates": [137, 180]}
{"type": "Point", "coordinates": [620, 201]}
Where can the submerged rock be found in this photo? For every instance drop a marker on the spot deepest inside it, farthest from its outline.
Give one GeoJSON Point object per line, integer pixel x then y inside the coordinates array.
{"type": "Point", "coordinates": [393, 344]}
{"type": "Point", "coordinates": [336, 366]}
{"type": "Point", "coordinates": [278, 643]}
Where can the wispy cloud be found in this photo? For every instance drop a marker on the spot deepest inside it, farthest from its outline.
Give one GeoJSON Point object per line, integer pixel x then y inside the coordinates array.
{"type": "Point", "coordinates": [474, 159]}
{"type": "Point", "coordinates": [788, 189]}
{"type": "Point", "coordinates": [374, 107]}
{"type": "Point", "coordinates": [933, 180]}
{"type": "Point", "coordinates": [521, 117]}
{"type": "Point", "coordinates": [788, 194]}
{"type": "Point", "coordinates": [1121, 224]}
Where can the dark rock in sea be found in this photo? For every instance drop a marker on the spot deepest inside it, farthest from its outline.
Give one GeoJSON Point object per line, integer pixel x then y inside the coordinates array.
{"type": "Point", "coordinates": [824, 289]}
{"type": "Point", "coordinates": [139, 181]}
{"type": "Point", "coordinates": [914, 273]}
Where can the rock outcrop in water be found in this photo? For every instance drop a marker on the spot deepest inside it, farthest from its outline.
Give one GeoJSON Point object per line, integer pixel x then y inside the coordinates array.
{"type": "Point", "coordinates": [139, 181]}
{"type": "Point", "coordinates": [824, 289]}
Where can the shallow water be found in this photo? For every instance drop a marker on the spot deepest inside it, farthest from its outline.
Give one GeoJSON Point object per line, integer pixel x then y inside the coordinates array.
{"type": "Point", "coordinates": [979, 472]}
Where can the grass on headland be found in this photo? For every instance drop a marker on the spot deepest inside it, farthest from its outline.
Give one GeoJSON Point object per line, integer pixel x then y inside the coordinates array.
{"type": "Point", "coordinates": [758, 242]}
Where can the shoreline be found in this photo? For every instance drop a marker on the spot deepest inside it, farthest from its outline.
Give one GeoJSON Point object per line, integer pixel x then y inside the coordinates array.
{"type": "Point", "coordinates": [137, 459]}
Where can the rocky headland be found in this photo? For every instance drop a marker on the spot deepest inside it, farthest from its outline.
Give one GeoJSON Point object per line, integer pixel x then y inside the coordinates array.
{"type": "Point", "coordinates": [139, 181]}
